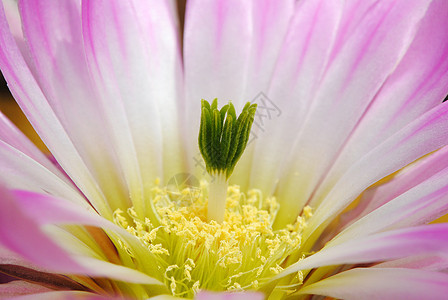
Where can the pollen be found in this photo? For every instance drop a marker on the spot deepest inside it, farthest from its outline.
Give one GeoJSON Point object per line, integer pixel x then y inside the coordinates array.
{"type": "Point", "coordinates": [242, 252]}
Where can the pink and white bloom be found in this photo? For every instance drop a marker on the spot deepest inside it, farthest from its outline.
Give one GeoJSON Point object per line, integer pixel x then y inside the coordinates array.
{"type": "Point", "coordinates": [351, 143]}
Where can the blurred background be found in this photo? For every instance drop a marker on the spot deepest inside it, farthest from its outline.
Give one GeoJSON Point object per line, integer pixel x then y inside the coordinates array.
{"type": "Point", "coordinates": [10, 108]}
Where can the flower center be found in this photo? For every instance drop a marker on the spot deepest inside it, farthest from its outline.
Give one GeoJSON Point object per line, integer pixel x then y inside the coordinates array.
{"type": "Point", "coordinates": [191, 253]}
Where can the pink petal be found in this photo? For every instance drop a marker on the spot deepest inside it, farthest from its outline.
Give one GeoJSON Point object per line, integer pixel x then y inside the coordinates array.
{"type": "Point", "coordinates": [230, 50]}
{"type": "Point", "coordinates": [419, 205]}
{"type": "Point", "coordinates": [11, 135]}
{"type": "Point", "coordinates": [19, 171]}
{"type": "Point", "coordinates": [424, 135]}
{"type": "Point", "coordinates": [416, 85]}
{"type": "Point", "coordinates": [133, 52]}
{"type": "Point", "coordinates": [54, 38]}
{"type": "Point", "coordinates": [298, 70]}
{"type": "Point", "coordinates": [17, 287]}
{"type": "Point", "coordinates": [204, 295]}
{"type": "Point", "coordinates": [384, 284]}
{"type": "Point", "coordinates": [406, 179]}
{"type": "Point", "coordinates": [217, 48]}
{"type": "Point", "coordinates": [29, 210]}
{"type": "Point", "coordinates": [7, 257]}
{"type": "Point", "coordinates": [270, 21]}
{"type": "Point", "coordinates": [21, 234]}
{"type": "Point", "coordinates": [389, 245]}
{"type": "Point", "coordinates": [48, 210]}
{"type": "Point", "coordinates": [429, 262]}
{"type": "Point", "coordinates": [33, 102]}
{"type": "Point", "coordinates": [370, 32]}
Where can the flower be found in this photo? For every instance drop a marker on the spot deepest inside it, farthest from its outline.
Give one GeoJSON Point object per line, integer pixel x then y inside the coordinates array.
{"type": "Point", "coordinates": [345, 166]}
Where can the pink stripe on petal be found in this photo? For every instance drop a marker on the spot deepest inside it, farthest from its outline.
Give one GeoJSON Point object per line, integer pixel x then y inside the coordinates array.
{"type": "Point", "coordinates": [387, 284]}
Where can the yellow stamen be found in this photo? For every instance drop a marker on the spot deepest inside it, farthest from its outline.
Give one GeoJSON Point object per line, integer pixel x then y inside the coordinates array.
{"type": "Point", "coordinates": [242, 252]}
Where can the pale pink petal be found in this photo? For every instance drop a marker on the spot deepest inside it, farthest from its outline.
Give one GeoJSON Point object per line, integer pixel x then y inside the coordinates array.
{"type": "Point", "coordinates": [33, 102]}
{"type": "Point", "coordinates": [370, 31]}
{"type": "Point", "coordinates": [19, 171]}
{"type": "Point", "coordinates": [230, 50]}
{"type": "Point", "coordinates": [429, 262]}
{"type": "Point", "coordinates": [376, 283]}
{"type": "Point", "coordinates": [54, 38]}
{"type": "Point", "coordinates": [407, 178]}
{"type": "Point", "coordinates": [15, 24]}
{"type": "Point", "coordinates": [11, 135]}
{"type": "Point", "coordinates": [13, 17]}
{"type": "Point", "coordinates": [18, 287]}
{"type": "Point", "coordinates": [229, 296]}
{"type": "Point", "coordinates": [379, 247]}
{"type": "Point", "coordinates": [299, 68]}
{"type": "Point", "coordinates": [418, 84]}
{"type": "Point", "coordinates": [217, 48]}
{"type": "Point", "coordinates": [46, 209]}
{"type": "Point", "coordinates": [426, 134]}
{"type": "Point", "coordinates": [419, 205]}
{"type": "Point", "coordinates": [270, 21]}
{"type": "Point", "coordinates": [134, 55]}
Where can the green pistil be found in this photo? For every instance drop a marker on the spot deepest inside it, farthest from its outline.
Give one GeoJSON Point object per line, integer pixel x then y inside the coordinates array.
{"type": "Point", "coordinates": [223, 136]}
{"type": "Point", "coordinates": [222, 140]}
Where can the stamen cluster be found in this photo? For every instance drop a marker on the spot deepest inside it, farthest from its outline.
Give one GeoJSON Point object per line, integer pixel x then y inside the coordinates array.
{"type": "Point", "coordinates": [243, 252]}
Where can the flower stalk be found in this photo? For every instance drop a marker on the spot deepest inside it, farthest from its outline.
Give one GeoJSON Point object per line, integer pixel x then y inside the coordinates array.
{"type": "Point", "coordinates": [222, 140]}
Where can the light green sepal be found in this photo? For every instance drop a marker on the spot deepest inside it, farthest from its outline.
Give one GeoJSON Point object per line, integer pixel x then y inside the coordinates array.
{"type": "Point", "coordinates": [223, 136]}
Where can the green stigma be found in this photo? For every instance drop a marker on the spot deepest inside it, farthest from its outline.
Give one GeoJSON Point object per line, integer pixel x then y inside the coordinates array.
{"type": "Point", "coordinates": [222, 139]}
{"type": "Point", "coordinates": [222, 136]}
